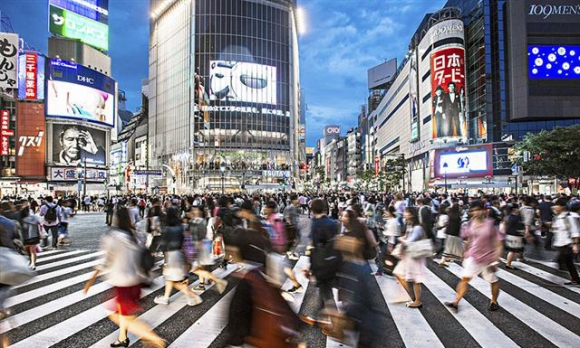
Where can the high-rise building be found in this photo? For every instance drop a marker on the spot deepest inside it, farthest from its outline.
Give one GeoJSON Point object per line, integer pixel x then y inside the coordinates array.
{"type": "Point", "coordinates": [224, 92]}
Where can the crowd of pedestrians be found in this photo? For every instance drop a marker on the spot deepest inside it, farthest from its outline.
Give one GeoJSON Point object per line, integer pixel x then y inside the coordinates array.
{"type": "Point", "coordinates": [262, 234]}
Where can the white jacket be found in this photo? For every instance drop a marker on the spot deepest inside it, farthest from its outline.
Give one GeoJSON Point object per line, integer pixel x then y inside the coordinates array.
{"type": "Point", "coordinates": [121, 260]}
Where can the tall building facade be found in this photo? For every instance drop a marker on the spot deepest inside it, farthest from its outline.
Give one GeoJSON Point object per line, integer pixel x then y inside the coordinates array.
{"type": "Point", "coordinates": [224, 92]}
{"type": "Point", "coordinates": [479, 75]}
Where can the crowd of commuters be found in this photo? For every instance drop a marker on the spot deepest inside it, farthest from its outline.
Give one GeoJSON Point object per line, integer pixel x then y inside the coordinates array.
{"type": "Point", "coordinates": [264, 232]}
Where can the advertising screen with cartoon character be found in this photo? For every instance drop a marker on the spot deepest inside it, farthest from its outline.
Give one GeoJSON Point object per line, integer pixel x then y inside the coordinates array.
{"type": "Point", "coordinates": [74, 144]}
{"type": "Point", "coordinates": [448, 93]}
{"type": "Point", "coordinates": [243, 82]}
{"type": "Point", "coordinates": [76, 92]}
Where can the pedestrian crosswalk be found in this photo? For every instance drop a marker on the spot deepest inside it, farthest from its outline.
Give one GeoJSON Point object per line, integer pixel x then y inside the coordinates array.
{"type": "Point", "coordinates": [537, 310]}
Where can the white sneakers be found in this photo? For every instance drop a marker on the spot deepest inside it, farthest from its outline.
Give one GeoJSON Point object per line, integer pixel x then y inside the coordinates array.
{"type": "Point", "coordinates": [191, 300]}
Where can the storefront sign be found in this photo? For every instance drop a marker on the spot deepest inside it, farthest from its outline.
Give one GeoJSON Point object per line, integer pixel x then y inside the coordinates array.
{"type": "Point", "coordinates": [5, 132]}
{"type": "Point", "coordinates": [8, 60]}
{"type": "Point", "coordinates": [33, 142]}
{"type": "Point", "coordinates": [276, 173]}
{"type": "Point", "coordinates": [30, 76]}
{"type": "Point", "coordinates": [71, 174]}
{"type": "Point", "coordinates": [544, 11]}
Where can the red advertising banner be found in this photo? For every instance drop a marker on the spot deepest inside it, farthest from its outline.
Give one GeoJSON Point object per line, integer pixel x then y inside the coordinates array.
{"type": "Point", "coordinates": [448, 93]}
{"type": "Point", "coordinates": [5, 132]}
{"type": "Point", "coordinates": [377, 165]}
{"type": "Point", "coordinates": [31, 141]}
{"type": "Point", "coordinates": [30, 77]}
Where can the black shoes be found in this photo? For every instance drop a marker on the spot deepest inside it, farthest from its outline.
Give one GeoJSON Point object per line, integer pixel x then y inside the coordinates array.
{"type": "Point", "coordinates": [453, 306]}
{"type": "Point", "coordinates": [124, 343]}
{"type": "Point", "coordinates": [493, 307]}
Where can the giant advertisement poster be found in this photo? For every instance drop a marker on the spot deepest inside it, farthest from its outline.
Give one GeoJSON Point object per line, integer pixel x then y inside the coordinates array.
{"type": "Point", "coordinates": [243, 82]}
{"type": "Point", "coordinates": [448, 93]}
{"type": "Point", "coordinates": [74, 144]}
{"type": "Point", "coordinates": [79, 93]}
{"type": "Point", "coordinates": [31, 140]}
{"type": "Point", "coordinates": [8, 60]}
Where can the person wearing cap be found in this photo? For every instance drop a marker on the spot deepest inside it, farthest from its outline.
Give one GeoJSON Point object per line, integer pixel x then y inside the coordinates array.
{"type": "Point", "coordinates": [482, 252]}
{"type": "Point", "coordinates": [566, 237]}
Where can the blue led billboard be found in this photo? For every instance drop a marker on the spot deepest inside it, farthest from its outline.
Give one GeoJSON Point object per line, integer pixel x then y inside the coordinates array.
{"type": "Point", "coordinates": [553, 62]}
{"type": "Point", "coordinates": [97, 10]}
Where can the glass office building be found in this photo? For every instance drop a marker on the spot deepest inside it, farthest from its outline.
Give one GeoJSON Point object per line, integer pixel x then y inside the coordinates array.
{"type": "Point", "coordinates": [224, 91]}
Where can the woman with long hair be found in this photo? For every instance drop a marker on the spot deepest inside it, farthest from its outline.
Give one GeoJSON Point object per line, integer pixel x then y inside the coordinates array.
{"type": "Point", "coordinates": [30, 234]}
{"type": "Point", "coordinates": [409, 269]}
{"type": "Point", "coordinates": [121, 262]}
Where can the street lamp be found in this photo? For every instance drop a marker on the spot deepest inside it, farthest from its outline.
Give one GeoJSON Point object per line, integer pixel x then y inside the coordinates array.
{"type": "Point", "coordinates": [223, 170]}
{"type": "Point", "coordinates": [445, 167]}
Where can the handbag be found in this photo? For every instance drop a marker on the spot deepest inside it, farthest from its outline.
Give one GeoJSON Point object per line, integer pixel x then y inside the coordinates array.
{"type": "Point", "coordinates": [420, 249]}
{"type": "Point", "coordinates": [14, 268]}
{"type": "Point", "coordinates": [42, 232]}
{"type": "Point", "coordinates": [397, 251]}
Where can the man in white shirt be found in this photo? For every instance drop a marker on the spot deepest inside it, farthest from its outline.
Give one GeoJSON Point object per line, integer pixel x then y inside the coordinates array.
{"type": "Point", "coordinates": [566, 237]}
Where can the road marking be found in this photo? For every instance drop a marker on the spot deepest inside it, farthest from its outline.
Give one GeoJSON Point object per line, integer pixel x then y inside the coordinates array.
{"type": "Point", "coordinates": [543, 325]}
{"type": "Point", "coordinates": [548, 296]}
{"type": "Point", "coordinates": [58, 256]}
{"type": "Point", "coordinates": [59, 273]}
{"type": "Point", "coordinates": [414, 329]}
{"type": "Point", "coordinates": [544, 275]}
{"type": "Point", "coordinates": [41, 254]}
{"type": "Point", "coordinates": [160, 313]}
{"type": "Point", "coordinates": [303, 263]}
{"type": "Point", "coordinates": [476, 324]}
{"type": "Point", "coordinates": [207, 328]}
{"type": "Point", "coordinates": [71, 260]}
{"type": "Point", "coordinates": [79, 322]}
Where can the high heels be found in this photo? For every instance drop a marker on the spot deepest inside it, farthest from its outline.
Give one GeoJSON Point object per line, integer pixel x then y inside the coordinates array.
{"type": "Point", "coordinates": [118, 343]}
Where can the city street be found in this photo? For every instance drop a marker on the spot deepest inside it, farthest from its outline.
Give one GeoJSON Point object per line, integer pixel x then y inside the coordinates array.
{"type": "Point", "coordinates": [50, 310]}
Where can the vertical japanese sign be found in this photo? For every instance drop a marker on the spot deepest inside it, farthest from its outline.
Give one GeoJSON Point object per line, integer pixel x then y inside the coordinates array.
{"type": "Point", "coordinates": [448, 93]}
{"type": "Point", "coordinates": [8, 60]}
{"type": "Point", "coordinates": [30, 77]}
{"type": "Point", "coordinates": [5, 132]}
{"type": "Point", "coordinates": [413, 93]}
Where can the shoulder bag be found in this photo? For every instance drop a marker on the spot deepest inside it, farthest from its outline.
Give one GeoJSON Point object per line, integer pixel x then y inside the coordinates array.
{"type": "Point", "coordinates": [420, 249]}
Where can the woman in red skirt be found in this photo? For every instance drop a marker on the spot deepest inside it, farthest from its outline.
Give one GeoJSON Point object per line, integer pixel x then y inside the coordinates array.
{"type": "Point", "coordinates": [122, 260]}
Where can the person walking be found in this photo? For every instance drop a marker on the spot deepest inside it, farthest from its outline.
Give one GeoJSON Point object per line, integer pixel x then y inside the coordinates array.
{"type": "Point", "coordinates": [566, 237]}
{"type": "Point", "coordinates": [30, 234]}
{"type": "Point", "coordinates": [121, 261]}
{"type": "Point", "coordinates": [174, 269]}
{"type": "Point", "coordinates": [410, 269]}
{"type": "Point", "coordinates": [514, 229]}
{"type": "Point", "coordinates": [51, 213]}
{"type": "Point", "coordinates": [483, 249]}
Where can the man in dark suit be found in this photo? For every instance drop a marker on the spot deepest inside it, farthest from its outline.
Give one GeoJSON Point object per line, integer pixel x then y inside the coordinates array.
{"type": "Point", "coordinates": [452, 109]}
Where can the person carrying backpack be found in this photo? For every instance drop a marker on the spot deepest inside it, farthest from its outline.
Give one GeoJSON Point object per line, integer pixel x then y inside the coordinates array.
{"type": "Point", "coordinates": [51, 212]}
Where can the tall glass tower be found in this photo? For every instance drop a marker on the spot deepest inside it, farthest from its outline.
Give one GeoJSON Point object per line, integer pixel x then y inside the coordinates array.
{"type": "Point", "coordinates": [224, 92]}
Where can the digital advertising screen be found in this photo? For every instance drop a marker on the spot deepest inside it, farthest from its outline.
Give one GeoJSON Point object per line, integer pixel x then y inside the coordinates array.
{"type": "Point", "coordinates": [74, 144]}
{"type": "Point", "coordinates": [553, 62]}
{"type": "Point", "coordinates": [73, 26]}
{"type": "Point", "coordinates": [448, 93]}
{"type": "Point", "coordinates": [76, 92]}
{"type": "Point", "coordinates": [97, 10]}
{"type": "Point", "coordinates": [243, 82]}
{"type": "Point", "coordinates": [469, 162]}
{"type": "Point", "coordinates": [31, 76]}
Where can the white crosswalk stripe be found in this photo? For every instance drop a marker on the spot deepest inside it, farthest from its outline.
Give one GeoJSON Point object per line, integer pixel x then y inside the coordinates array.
{"type": "Point", "coordinates": [415, 328]}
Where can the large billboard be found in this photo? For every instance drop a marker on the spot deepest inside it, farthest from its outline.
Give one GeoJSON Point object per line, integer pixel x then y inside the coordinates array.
{"type": "Point", "coordinates": [97, 10]}
{"type": "Point", "coordinates": [31, 76]}
{"type": "Point", "coordinates": [31, 140]}
{"type": "Point", "coordinates": [79, 93]}
{"type": "Point", "coordinates": [448, 93]}
{"type": "Point", "coordinates": [464, 162]}
{"type": "Point", "coordinates": [243, 82]}
{"type": "Point", "coordinates": [73, 26]}
{"type": "Point", "coordinates": [553, 62]}
{"type": "Point", "coordinates": [382, 74]}
{"type": "Point", "coordinates": [8, 60]}
{"type": "Point", "coordinates": [73, 145]}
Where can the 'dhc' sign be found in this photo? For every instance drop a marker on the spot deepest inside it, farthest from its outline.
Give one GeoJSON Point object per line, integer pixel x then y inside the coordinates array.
{"type": "Point", "coordinates": [332, 130]}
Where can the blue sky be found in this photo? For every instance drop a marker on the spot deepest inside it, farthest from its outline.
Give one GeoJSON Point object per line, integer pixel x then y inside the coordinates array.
{"type": "Point", "coordinates": [343, 39]}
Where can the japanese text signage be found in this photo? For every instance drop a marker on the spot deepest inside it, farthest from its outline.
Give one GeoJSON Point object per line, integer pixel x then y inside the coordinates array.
{"type": "Point", "coordinates": [71, 174]}
{"type": "Point", "coordinates": [448, 92]}
{"type": "Point", "coordinates": [5, 132]}
{"type": "Point", "coordinates": [8, 60]}
{"type": "Point", "coordinates": [30, 76]}
{"type": "Point", "coordinates": [74, 26]}
{"type": "Point", "coordinates": [29, 141]}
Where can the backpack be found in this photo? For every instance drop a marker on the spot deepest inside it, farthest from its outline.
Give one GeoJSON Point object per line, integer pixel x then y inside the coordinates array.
{"type": "Point", "coordinates": [50, 215]}
{"type": "Point", "coordinates": [325, 260]}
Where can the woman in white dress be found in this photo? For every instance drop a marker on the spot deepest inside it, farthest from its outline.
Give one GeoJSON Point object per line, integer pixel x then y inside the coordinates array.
{"type": "Point", "coordinates": [409, 269]}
